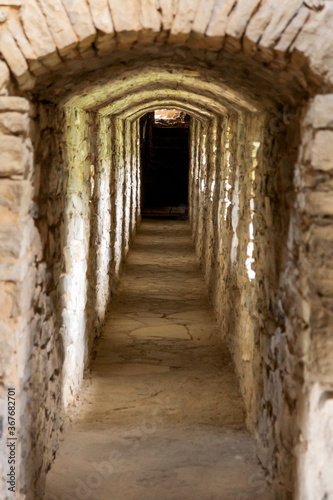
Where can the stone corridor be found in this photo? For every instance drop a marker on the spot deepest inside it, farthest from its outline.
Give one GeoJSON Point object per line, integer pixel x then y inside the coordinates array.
{"type": "Point", "coordinates": [160, 415]}
{"type": "Point", "coordinates": [83, 84]}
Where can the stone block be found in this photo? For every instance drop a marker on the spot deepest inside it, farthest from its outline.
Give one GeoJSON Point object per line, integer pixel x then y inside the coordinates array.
{"type": "Point", "coordinates": [26, 81]}
{"type": "Point", "coordinates": [14, 122]}
{"type": "Point", "coordinates": [292, 30]}
{"type": "Point", "coordinates": [321, 353]}
{"type": "Point", "coordinates": [12, 54]}
{"type": "Point", "coordinates": [307, 43]}
{"type": "Point", "coordinates": [14, 104]}
{"type": "Point", "coordinates": [14, 269]}
{"type": "Point", "coordinates": [202, 17]}
{"type": "Point", "coordinates": [6, 299]}
{"type": "Point", "coordinates": [126, 19]}
{"type": "Point", "coordinates": [168, 11]}
{"type": "Point", "coordinates": [149, 16]}
{"type": "Point", "coordinates": [240, 17]}
{"type": "Point", "coordinates": [218, 23]}
{"type": "Point", "coordinates": [101, 15]}
{"type": "Point", "coordinates": [320, 203]}
{"type": "Point", "coordinates": [16, 30]}
{"type": "Point", "coordinates": [4, 77]}
{"type": "Point", "coordinates": [322, 281]}
{"type": "Point", "coordinates": [320, 245]}
{"type": "Point", "coordinates": [322, 150]}
{"type": "Point", "coordinates": [278, 23]}
{"type": "Point", "coordinates": [24, 293]}
{"type": "Point", "coordinates": [260, 20]}
{"type": "Point", "coordinates": [79, 14]}
{"type": "Point", "coordinates": [59, 25]}
{"type": "Point", "coordinates": [11, 156]}
{"type": "Point", "coordinates": [36, 29]}
{"type": "Point", "coordinates": [321, 317]}
{"type": "Point", "coordinates": [320, 114]}
{"type": "Point", "coordinates": [183, 21]}
{"type": "Point", "coordinates": [15, 236]}
{"type": "Point", "coordinates": [7, 347]}
{"type": "Point", "coordinates": [16, 195]}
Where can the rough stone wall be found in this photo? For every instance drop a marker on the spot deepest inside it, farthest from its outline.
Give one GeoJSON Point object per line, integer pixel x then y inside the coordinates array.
{"type": "Point", "coordinates": [100, 248]}
{"type": "Point", "coordinates": [55, 305]}
{"type": "Point", "coordinates": [241, 199]}
{"type": "Point", "coordinates": [310, 352]}
{"type": "Point", "coordinates": [19, 270]}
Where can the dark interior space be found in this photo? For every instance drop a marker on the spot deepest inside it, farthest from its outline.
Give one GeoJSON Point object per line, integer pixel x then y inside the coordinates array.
{"type": "Point", "coordinates": [165, 163]}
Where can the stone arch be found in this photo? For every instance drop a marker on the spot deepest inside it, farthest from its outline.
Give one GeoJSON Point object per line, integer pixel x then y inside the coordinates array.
{"type": "Point", "coordinates": [220, 48]}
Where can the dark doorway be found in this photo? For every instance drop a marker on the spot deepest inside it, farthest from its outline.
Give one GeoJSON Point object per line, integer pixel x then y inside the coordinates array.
{"type": "Point", "coordinates": [165, 163]}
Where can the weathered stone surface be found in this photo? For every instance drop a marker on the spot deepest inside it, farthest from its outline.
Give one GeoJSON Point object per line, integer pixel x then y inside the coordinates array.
{"type": "Point", "coordinates": [292, 30]}
{"type": "Point", "coordinates": [12, 54]}
{"type": "Point", "coordinates": [202, 16]}
{"type": "Point", "coordinates": [12, 3]}
{"type": "Point", "coordinates": [133, 369]}
{"type": "Point", "coordinates": [126, 19]}
{"type": "Point", "coordinates": [59, 25]}
{"type": "Point", "coordinates": [320, 114]}
{"type": "Point", "coordinates": [322, 281]}
{"type": "Point", "coordinates": [36, 29]}
{"type": "Point", "coordinates": [105, 44]}
{"type": "Point", "coordinates": [19, 104]}
{"type": "Point", "coordinates": [320, 203]}
{"type": "Point", "coordinates": [150, 20]}
{"type": "Point", "coordinates": [168, 8]}
{"type": "Point", "coordinates": [79, 14]}
{"type": "Point", "coordinates": [11, 156]}
{"type": "Point", "coordinates": [15, 235]}
{"type": "Point", "coordinates": [7, 347]}
{"type": "Point", "coordinates": [4, 77]}
{"type": "Point", "coordinates": [14, 269]}
{"type": "Point", "coordinates": [170, 331]}
{"type": "Point", "coordinates": [240, 16]}
{"type": "Point", "coordinates": [260, 20]}
{"type": "Point", "coordinates": [14, 123]}
{"type": "Point", "coordinates": [322, 150]}
{"type": "Point", "coordinates": [16, 195]}
{"type": "Point", "coordinates": [6, 299]}
{"type": "Point", "coordinates": [218, 23]}
{"type": "Point", "coordinates": [306, 45]}
{"type": "Point", "coordinates": [183, 20]}
{"type": "Point", "coordinates": [16, 30]}
{"type": "Point", "coordinates": [101, 15]}
{"type": "Point", "coordinates": [282, 16]}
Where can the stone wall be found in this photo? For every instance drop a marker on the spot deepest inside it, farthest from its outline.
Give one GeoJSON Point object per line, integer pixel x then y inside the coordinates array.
{"type": "Point", "coordinates": [241, 201]}
{"type": "Point", "coordinates": [86, 198]}
{"type": "Point", "coordinates": [19, 247]}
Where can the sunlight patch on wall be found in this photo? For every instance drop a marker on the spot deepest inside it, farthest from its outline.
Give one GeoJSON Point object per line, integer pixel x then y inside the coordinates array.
{"type": "Point", "coordinates": [250, 247]}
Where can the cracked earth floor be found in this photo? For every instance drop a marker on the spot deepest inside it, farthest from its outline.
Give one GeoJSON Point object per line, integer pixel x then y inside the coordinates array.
{"type": "Point", "coordinates": [160, 417]}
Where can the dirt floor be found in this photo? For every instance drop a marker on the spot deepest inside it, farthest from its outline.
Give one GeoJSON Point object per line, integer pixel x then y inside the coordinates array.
{"type": "Point", "coordinates": [160, 416]}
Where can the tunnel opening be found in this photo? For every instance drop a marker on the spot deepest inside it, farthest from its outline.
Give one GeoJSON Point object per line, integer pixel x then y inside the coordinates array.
{"type": "Point", "coordinates": [240, 157]}
{"type": "Point", "coordinates": [255, 82]}
{"type": "Point", "coordinates": [242, 153]}
{"type": "Point", "coordinates": [165, 164]}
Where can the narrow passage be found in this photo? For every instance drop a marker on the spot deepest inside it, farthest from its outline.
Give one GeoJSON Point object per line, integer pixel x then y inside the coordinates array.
{"type": "Point", "coordinates": [161, 416]}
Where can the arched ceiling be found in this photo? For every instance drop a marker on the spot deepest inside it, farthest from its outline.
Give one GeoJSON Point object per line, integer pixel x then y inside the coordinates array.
{"type": "Point", "coordinates": [120, 94]}
{"type": "Point", "coordinates": [124, 104]}
{"type": "Point", "coordinates": [141, 109]}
